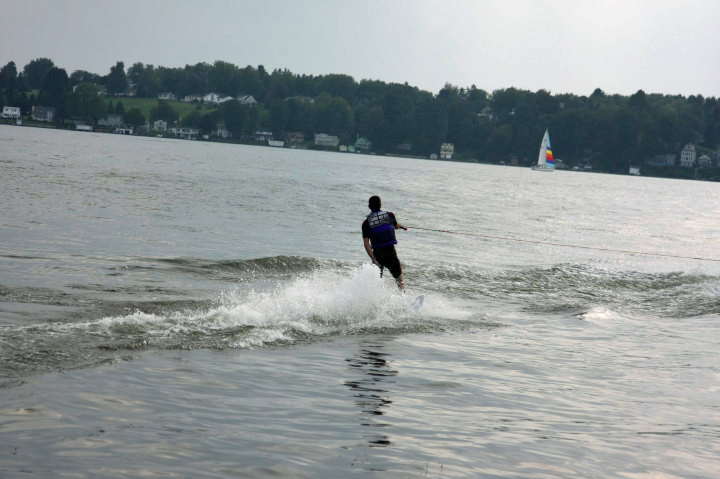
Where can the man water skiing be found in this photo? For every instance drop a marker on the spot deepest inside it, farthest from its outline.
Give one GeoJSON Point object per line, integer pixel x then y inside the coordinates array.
{"type": "Point", "coordinates": [378, 231]}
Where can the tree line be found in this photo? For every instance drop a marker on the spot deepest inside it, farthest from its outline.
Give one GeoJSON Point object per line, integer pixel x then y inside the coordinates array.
{"type": "Point", "coordinates": [610, 131]}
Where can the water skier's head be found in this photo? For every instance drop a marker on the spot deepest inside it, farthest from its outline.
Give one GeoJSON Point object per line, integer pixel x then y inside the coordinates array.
{"type": "Point", "coordinates": [374, 203]}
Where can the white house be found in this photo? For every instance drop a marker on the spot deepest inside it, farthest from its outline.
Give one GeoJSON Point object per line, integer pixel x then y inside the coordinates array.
{"type": "Point", "coordinates": [43, 113]}
{"type": "Point", "coordinates": [192, 98]}
{"type": "Point", "coordinates": [362, 143]}
{"type": "Point", "coordinates": [688, 156]}
{"type": "Point", "coordinates": [222, 133]}
{"type": "Point", "coordinates": [446, 151]}
{"type": "Point", "coordinates": [111, 121]}
{"type": "Point", "coordinates": [294, 139]}
{"type": "Point", "coordinates": [247, 99]}
{"type": "Point", "coordinates": [11, 112]}
{"type": "Point", "coordinates": [323, 139]}
{"type": "Point", "coordinates": [160, 125]}
{"type": "Point", "coordinates": [704, 161]}
{"type": "Point", "coordinates": [166, 95]}
{"type": "Point", "coordinates": [215, 99]}
{"type": "Point", "coordinates": [302, 99]}
{"type": "Point", "coordinates": [487, 113]}
{"type": "Point", "coordinates": [185, 132]}
{"type": "Point", "coordinates": [211, 98]}
{"type": "Point", "coordinates": [263, 135]}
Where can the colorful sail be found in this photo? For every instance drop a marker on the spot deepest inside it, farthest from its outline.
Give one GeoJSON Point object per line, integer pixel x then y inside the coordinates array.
{"type": "Point", "coordinates": [545, 157]}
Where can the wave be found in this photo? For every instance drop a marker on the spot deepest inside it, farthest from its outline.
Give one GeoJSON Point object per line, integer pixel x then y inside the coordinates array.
{"type": "Point", "coordinates": [274, 266]}
{"type": "Point", "coordinates": [309, 299]}
{"type": "Point", "coordinates": [285, 264]}
{"type": "Point", "coordinates": [322, 303]}
{"type": "Point", "coordinates": [573, 289]}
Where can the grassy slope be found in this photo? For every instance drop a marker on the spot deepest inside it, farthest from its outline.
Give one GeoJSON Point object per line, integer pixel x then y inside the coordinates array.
{"type": "Point", "coordinates": [147, 104]}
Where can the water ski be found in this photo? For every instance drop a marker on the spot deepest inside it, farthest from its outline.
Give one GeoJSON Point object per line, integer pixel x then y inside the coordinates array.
{"type": "Point", "coordinates": [418, 302]}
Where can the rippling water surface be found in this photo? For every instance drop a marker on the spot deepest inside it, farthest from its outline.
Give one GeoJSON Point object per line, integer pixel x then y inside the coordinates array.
{"type": "Point", "coordinates": [188, 309]}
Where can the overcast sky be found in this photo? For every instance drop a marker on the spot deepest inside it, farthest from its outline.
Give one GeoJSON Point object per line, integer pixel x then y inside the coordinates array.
{"type": "Point", "coordinates": [563, 46]}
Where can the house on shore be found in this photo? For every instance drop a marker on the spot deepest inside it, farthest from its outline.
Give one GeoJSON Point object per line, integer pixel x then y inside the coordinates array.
{"type": "Point", "coordinates": [704, 161]}
{"type": "Point", "coordinates": [487, 114]}
{"type": "Point", "coordinates": [193, 98]}
{"type": "Point", "coordinates": [688, 156]}
{"type": "Point", "coordinates": [43, 113]}
{"type": "Point", "coordinates": [185, 132]}
{"type": "Point", "coordinates": [294, 139]}
{"type": "Point", "coordinates": [166, 95]}
{"type": "Point", "coordinates": [667, 159]}
{"type": "Point", "coordinates": [446, 151]}
{"type": "Point", "coordinates": [362, 143]}
{"type": "Point", "coordinates": [323, 139]}
{"type": "Point", "coordinates": [11, 112]}
{"type": "Point", "coordinates": [222, 133]}
{"type": "Point", "coordinates": [215, 99]}
{"type": "Point", "coordinates": [263, 136]}
{"type": "Point", "coordinates": [111, 121]}
{"type": "Point", "coordinates": [160, 126]}
{"type": "Point", "coordinates": [246, 100]}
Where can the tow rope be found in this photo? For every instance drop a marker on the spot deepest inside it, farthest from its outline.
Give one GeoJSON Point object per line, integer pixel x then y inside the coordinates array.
{"type": "Point", "coordinates": [564, 245]}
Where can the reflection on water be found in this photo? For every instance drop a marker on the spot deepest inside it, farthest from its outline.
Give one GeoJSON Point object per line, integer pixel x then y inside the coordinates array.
{"type": "Point", "coordinates": [375, 373]}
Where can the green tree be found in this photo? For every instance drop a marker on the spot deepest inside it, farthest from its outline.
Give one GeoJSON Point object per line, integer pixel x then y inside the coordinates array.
{"type": "Point", "coordinates": [192, 120]}
{"type": "Point", "coordinates": [81, 76]}
{"type": "Point", "coordinates": [164, 111]}
{"type": "Point", "coordinates": [234, 115]}
{"type": "Point", "coordinates": [117, 81]}
{"type": "Point", "coordinates": [398, 106]}
{"type": "Point", "coordinates": [134, 117]}
{"type": "Point", "coordinates": [194, 79]}
{"type": "Point", "coordinates": [301, 115]}
{"type": "Point", "coordinates": [36, 70]}
{"type": "Point", "coordinates": [334, 116]}
{"type": "Point", "coordinates": [224, 78]}
{"type": "Point", "coordinates": [119, 108]}
{"type": "Point", "coordinates": [208, 123]}
{"type": "Point", "coordinates": [85, 102]}
{"type": "Point", "coordinates": [343, 86]}
{"type": "Point", "coordinates": [9, 76]}
{"type": "Point", "coordinates": [431, 124]}
{"type": "Point", "coordinates": [638, 100]}
{"type": "Point", "coordinates": [145, 79]}
{"type": "Point", "coordinates": [369, 121]}
{"type": "Point", "coordinates": [55, 89]}
{"type": "Point", "coordinates": [279, 116]}
{"type": "Point", "coordinates": [499, 143]}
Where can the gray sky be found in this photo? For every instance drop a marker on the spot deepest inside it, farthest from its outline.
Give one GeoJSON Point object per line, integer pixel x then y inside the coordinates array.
{"type": "Point", "coordinates": [563, 46]}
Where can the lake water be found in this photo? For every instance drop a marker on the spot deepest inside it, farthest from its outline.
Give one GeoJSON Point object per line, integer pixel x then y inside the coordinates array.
{"type": "Point", "coordinates": [190, 309]}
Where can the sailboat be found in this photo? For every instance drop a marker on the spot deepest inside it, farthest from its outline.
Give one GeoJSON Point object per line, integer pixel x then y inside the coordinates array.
{"type": "Point", "coordinates": [545, 162]}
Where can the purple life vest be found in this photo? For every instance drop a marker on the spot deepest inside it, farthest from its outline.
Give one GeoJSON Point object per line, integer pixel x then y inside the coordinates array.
{"type": "Point", "coordinates": [382, 231]}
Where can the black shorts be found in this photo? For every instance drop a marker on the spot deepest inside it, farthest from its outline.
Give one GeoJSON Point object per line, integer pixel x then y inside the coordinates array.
{"type": "Point", "coordinates": [387, 257]}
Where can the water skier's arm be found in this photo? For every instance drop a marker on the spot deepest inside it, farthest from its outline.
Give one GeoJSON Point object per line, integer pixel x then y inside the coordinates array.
{"type": "Point", "coordinates": [369, 250]}
{"type": "Point", "coordinates": [396, 224]}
